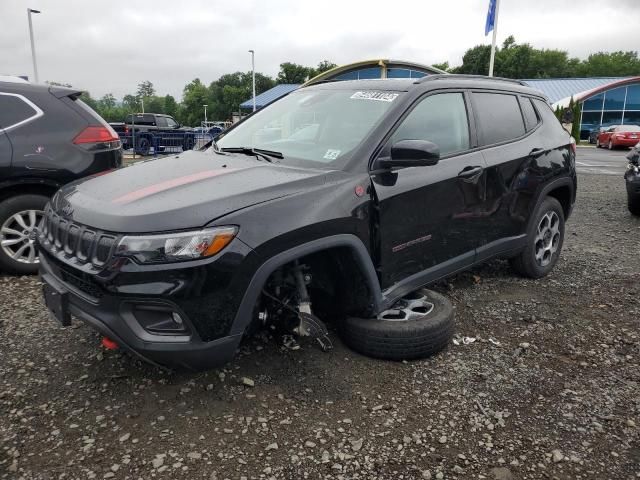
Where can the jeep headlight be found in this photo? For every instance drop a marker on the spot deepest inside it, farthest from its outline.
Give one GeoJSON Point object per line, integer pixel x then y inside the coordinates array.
{"type": "Point", "coordinates": [176, 246]}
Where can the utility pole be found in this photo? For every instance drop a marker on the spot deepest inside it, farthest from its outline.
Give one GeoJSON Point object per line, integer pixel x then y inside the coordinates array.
{"type": "Point", "coordinates": [205, 115]}
{"type": "Point", "coordinates": [253, 75]}
{"type": "Point", "coordinates": [33, 47]}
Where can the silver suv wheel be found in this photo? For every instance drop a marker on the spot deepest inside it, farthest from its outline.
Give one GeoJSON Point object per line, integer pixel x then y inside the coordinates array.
{"type": "Point", "coordinates": [547, 238]}
{"type": "Point", "coordinates": [18, 235]}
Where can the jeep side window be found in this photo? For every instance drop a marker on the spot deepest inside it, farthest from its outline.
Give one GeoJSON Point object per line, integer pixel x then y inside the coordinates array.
{"type": "Point", "coordinates": [498, 116]}
{"type": "Point", "coordinates": [530, 116]}
{"type": "Point", "coordinates": [14, 110]}
{"type": "Point", "coordinates": [439, 118]}
{"type": "Point", "coordinates": [162, 122]}
{"type": "Point", "coordinates": [171, 123]}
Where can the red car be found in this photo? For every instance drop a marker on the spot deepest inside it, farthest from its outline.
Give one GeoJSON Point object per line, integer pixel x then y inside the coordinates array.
{"type": "Point", "coordinates": [619, 136]}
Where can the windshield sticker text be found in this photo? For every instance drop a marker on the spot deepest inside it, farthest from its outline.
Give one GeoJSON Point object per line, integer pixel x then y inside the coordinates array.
{"type": "Point", "coordinates": [377, 96]}
{"type": "Point", "coordinates": [331, 154]}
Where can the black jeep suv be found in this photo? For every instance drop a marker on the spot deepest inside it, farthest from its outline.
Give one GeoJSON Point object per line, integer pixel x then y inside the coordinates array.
{"type": "Point", "coordinates": [48, 137]}
{"type": "Point", "coordinates": [348, 196]}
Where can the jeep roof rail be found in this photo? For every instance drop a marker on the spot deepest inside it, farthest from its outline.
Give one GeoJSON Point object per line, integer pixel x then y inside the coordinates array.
{"type": "Point", "coordinates": [454, 76]}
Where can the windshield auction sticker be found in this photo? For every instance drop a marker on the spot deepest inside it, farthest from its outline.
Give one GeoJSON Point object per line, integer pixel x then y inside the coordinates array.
{"type": "Point", "coordinates": [377, 96]}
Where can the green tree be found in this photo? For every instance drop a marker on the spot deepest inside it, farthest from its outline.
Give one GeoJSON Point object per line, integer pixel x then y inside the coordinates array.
{"type": "Point", "coordinates": [170, 106]}
{"type": "Point", "coordinates": [131, 103]}
{"type": "Point", "coordinates": [145, 89]}
{"type": "Point", "coordinates": [86, 98]}
{"type": "Point", "coordinates": [442, 66]}
{"type": "Point", "coordinates": [475, 61]}
{"type": "Point", "coordinates": [613, 64]}
{"type": "Point", "coordinates": [293, 73]}
{"type": "Point", "coordinates": [194, 96]}
{"type": "Point", "coordinates": [107, 101]}
{"type": "Point", "coordinates": [323, 66]}
{"type": "Point", "coordinates": [232, 89]}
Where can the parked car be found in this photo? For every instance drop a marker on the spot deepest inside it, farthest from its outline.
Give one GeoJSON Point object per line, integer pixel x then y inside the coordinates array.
{"type": "Point", "coordinates": [619, 136]}
{"type": "Point", "coordinates": [153, 130]}
{"type": "Point", "coordinates": [48, 137]}
{"type": "Point", "coordinates": [632, 180]}
{"type": "Point", "coordinates": [406, 182]}
{"type": "Point", "coordinates": [595, 131]}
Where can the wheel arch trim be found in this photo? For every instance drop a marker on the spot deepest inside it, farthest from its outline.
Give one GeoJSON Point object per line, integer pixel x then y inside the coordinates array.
{"type": "Point", "coordinates": [252, 293]}
{"type": "Point", "coordinates": [554, 185]}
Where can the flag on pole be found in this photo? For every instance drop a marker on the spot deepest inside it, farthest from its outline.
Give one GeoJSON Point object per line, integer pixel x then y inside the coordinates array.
{"type": "Point", "coordinates": [491, 17]}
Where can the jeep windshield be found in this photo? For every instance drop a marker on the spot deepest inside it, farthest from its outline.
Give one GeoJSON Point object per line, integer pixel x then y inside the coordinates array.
{"type": "Point", "coordinates": [312, 127]}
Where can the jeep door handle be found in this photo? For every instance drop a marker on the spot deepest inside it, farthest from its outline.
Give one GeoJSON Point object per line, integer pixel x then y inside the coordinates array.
{"type": "Point", "coordinates": [470, 172]}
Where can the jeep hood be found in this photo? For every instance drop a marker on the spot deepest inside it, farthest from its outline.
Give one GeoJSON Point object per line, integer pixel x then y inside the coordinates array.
{"type": "Point", "coordinates": [179, 192]}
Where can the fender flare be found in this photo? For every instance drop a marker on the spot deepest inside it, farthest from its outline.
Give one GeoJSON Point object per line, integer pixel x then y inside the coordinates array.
{"type": "Point", "coordinates": [252, 293]}
{"type": "Point", "coordinates": [558, 182]}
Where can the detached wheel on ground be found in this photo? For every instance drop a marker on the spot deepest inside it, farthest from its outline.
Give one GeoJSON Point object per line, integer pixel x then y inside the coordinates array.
{"type": "Point", "coordinates": [544, 241]}
{"type": "Point", "coordinates": [418, 325]}
{"type": "Point", "coordinates": [19, 217]}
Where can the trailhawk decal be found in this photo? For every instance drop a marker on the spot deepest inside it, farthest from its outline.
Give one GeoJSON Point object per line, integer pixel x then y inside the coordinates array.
{"type": "Point", "coordinates": [377, 96]}
{"type": "Point", "coordinates": [410, 243]}
{"type": "Point", "coordinates": [168, 184]}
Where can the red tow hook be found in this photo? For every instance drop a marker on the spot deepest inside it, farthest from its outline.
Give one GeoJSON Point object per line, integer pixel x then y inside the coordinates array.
{"type": "Point", "coordinates": [109, 344]}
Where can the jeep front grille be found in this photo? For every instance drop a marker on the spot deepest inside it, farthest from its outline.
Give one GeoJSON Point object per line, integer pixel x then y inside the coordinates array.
{"type": "Point", "coordinates": [79, 243]}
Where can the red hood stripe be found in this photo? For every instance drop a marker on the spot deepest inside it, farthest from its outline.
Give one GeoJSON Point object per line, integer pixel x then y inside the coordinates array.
{"type": "Point", "coordinates": [168, 184]}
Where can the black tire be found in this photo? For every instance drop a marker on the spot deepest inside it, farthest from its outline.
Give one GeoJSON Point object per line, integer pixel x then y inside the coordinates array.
{"type": "Point", "coordinates": [633, 203]}
{"type": "Point", "coordinates": [402, 339]}
{"type": "Point", "coordinates": [8, 208]}
{"type": "Point", "coordinates": [188, 143]}
{"type": "Point", "coordinates": [144, 146]}
{"type": "Point", "coordinates": [526, 263]}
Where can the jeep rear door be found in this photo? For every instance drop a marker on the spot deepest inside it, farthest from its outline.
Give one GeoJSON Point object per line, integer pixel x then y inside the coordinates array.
{"type": "Point", "coordinates": [428, 216]}
{"type": "Point", "coordinates": [514, 144]}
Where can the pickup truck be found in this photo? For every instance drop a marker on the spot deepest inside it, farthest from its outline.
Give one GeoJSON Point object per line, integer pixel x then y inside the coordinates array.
{"type": "Point", "coordinates": [155, 130]}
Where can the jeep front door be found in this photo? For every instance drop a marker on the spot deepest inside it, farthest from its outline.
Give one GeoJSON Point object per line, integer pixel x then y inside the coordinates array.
{"type": "Point", "coordinates": [427, 216]}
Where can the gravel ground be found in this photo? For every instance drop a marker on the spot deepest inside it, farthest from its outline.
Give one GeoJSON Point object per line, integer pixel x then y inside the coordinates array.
{"type": "Point", "coordinates": [548, 389]}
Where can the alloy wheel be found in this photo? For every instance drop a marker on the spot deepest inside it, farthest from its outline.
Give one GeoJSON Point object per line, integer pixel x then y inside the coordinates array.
{"type": "Point", "coordinates": [18, 235]}
{"type": "Point", "coordinates": [409, 307]}
{"type": "Point", "coordinates": [547, 238]}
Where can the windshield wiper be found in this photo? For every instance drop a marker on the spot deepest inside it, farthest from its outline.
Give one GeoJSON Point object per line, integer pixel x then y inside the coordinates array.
{"type": "Point", "coordinates": [257, 152]}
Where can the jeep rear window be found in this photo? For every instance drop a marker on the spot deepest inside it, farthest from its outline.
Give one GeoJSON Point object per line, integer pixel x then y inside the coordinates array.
{"type": "Point", "coordinates": [313, 127]}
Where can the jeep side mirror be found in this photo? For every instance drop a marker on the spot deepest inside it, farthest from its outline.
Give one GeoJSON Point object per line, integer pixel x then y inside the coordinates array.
{"type": "Point", "coordinates": [412, 153]}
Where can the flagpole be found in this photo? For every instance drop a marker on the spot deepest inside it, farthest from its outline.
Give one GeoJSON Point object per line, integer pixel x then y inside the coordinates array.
{"type": "Point", "coordinates": [493, 42]}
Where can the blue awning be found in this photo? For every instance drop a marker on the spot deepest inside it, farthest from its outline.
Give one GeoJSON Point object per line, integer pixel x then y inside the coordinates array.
{"type": "Point", "coordinates": [270, 95]}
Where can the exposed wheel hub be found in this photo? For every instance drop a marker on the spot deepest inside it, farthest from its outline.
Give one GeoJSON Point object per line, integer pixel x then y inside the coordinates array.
{"type": "Point", "coordinates": [18, 235]}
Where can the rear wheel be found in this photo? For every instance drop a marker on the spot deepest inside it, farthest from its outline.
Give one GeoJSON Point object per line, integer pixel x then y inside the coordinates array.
{"type": "Point", "coordinates": [19, 218]}
{"type": "Point", "coordinates": [144, 146]}
{"type": "Point", "coordinates": [544, 241]}
{"type": "Point", "coordinates": [188, 143]}
{"type": "Point", "coordinates": [633, 203]}
{"type": "Point", "coordinates": [417, 326]}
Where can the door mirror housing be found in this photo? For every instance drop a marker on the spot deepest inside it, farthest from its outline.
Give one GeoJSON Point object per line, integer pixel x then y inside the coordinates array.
{"type": "Point", "coordinates": [412, 153]}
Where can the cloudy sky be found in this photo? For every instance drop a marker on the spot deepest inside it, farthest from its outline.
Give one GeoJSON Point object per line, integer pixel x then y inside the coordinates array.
{"type": "Point", "coordinates": [111, 46]}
